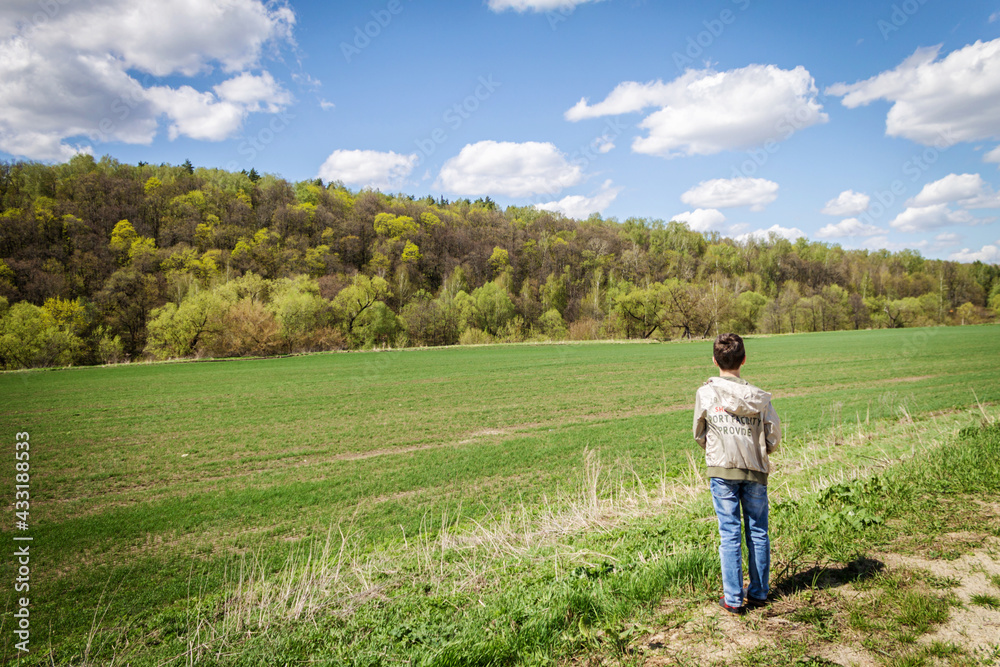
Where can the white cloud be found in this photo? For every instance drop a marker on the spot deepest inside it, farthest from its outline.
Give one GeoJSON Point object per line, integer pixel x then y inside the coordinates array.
{"type": "Point", "coordinates": [604, 145]}
{"type": "Point", "coordinates": [508, 168]}
{"type": "Point", "coordinates": [44, 102]}
{"type": "Point", "coordinates": [847, 202]}
{"type": "Point", "coordinates": [580, 207]}
{"type": "Point", "coordinates": [535, 5]}
{"type": "Point", "coordinates": [254, 93]}
{"type": "Point", "coordinates": [703, 112]}
{"type": "Point", "coordinates": [968, 190]}
{"type": "Point", "coordinates": [177, 37]}
{"type": "Point", "coordinates": [627, 97]}
{"type": "Point", "coordinates": [989, 254]}
{"type": "Point", "coordinates": [790, 233]}
{"type": "Point", "coordinates": [196, 115]}
{"type": "Point", "coordinates": [41, 145]}
{"type": "Point", "coordinates": [927, 218]}
{"type": "Point", "coordinates": [848, 228]}
{"type": "Point", "coordinates": [953, 187]}
{"type": "Point", "coordinates": [987, 199]}
{"type": "Point", "coordinates": [993, 155]}
{"type": "Point", "coordinates": [371, 169]}
{"type": "Point", "coordinates": [938, 102]}
{"type": "Point", "coordinates": [701, 219]}
{"type": "Point", "coordinates": [948, 238]}
{"type": "Point", "coordinates": [88, 73]}
{"type": "Point", "coordinates": [727, 193]}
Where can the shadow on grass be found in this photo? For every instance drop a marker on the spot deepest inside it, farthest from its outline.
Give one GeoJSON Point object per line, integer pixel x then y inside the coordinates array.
{"type": "Point", "coordinates": [821, 577]}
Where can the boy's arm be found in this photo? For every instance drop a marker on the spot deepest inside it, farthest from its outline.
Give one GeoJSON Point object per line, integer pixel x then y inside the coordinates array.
{"type": "Point", "coordinates": [772, 429]}
{"type": "Point", "coordinates": [700, 426]}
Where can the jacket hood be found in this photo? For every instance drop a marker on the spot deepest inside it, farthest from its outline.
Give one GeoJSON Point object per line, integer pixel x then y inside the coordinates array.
{"type": "Point", "coordinates": [738, 398]}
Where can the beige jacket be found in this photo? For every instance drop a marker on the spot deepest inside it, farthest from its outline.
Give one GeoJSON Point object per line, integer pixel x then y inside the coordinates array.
{"type": "Point", "coordinates": [736, 425]}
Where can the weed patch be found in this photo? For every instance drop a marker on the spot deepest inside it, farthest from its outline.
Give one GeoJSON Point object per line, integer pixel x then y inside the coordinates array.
{"type": "Point", "coordinates": [985, 600]}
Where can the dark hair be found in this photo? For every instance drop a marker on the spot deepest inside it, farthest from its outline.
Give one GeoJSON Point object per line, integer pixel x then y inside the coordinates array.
{"type": "Point", "coordinates": [728, 351]}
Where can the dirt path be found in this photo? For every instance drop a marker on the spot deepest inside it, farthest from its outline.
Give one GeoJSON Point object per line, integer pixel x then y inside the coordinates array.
{"type": "Point", "coordinates": [813, 619]}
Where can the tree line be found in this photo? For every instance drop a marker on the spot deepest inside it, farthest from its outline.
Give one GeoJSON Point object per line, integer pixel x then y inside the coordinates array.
{"type": "Point", "coordinates": [102, 262]}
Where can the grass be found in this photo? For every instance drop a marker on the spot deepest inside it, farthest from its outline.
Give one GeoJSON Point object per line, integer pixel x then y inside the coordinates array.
{"type": "Point", "coordinates": [582, 611]}
{"type": "Point", "coordinates": [501, 501]}
{"type": "Point", "coordinates": [986, 600]}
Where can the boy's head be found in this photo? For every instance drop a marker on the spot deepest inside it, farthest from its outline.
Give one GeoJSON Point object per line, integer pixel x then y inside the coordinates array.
{"type": "Point", "coordinates": [728, 352]}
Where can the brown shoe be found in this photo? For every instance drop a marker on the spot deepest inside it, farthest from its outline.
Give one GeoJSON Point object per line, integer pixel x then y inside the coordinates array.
{"type": "Point", "coordinates": [753, 603]}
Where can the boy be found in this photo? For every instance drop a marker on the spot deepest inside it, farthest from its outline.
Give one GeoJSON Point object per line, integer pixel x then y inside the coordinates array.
{"type": "Point", "coordinates": [737, 427]}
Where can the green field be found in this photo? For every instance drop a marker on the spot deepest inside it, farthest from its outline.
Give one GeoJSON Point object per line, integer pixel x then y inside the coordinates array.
{"type": "Point", "coordinates": [147, 480]}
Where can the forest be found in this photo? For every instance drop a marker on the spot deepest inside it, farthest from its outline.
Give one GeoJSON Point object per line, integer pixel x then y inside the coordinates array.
{"type": "Point", "coordinates": [105, 262]}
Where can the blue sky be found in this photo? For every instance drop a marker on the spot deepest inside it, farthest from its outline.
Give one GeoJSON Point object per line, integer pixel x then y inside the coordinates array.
{"type": "Point", "coordinates": [868, 124]}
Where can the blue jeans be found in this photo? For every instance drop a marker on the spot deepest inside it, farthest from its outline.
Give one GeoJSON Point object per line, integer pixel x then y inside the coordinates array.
{"type": "Point", "coordinates": [728, 497]}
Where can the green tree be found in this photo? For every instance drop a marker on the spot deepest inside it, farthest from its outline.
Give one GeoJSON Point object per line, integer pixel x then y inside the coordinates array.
{"type": "Point", "coordinates": [248, 286]}
{"type": "Point", "coordinates": [301, 313]}
{"type": "Point", "coordinates": [30, 338]}
{"type": "Point", "coordinates": [318, 260]}
{"type": "Point", "coordinates": [836, 308]}
{"type": "Point", "coordinates": [126, 299]}
{"type": "Point", "coordinates": [122, 238]}
{"type": "Point", "coordinates": [993, 298]}
{"type": "Point", "coordinates": [748, 310]}
{"type": "Point", "coordinates": [152, 186]}
{"type": "Point", "coordinates": [493, 307]}
{"type": "Point", "coordinates": [411, 253]}
{"type": "Point", "coordinates": [553, 325]}
{"type": "Point", "coordinates": [499, 261]}
{"type": "Point", "coordinates": [684, 309]}
{"type": "Point", "coordinates": [723, 258]}
{"type": "Point", "coordinates": [130, 248]}
{"type": "Point", "coordinates": [555, 293]}
{"type": "Point", "coordinates": [6, 278]}
{"type": "Point", "coordinates": [641, 309]}
{"type": "Point", "coordinates": [189, 328]}
{"type": "Point", "coordinates": [67, 315]}
{"type": "Point", "coordinates": [186, 269]}
{"type": "Point", "coordinates": [967, 314]}
{"type": "Point", "coordinates": [395, 226]}
{"type": "Point", "coordinates": [261, 253]}
{"type": "Point", "coordinates": [352, 301]}
{"type": "Point", "coordinates": [995, 303]}
{"type": "Point", "coordinates": [429, 321]}
{"type": "Point", "coordinates": [377, 326]}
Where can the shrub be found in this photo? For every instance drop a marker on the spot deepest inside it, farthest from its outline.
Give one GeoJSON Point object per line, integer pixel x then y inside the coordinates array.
{"type": "Point", "coordinates": [552, 324]}
{"type": "Point", "coordinates": [513, 331]}
{"type": "Point", "coordinates": [585, 329]}
{"type": "Point", "coordinates": [248, 328]}
{"type": "Point", "coordinates": [474, 336]}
